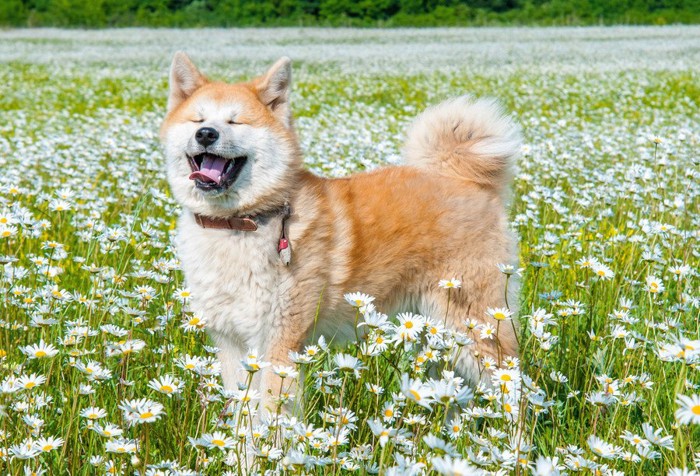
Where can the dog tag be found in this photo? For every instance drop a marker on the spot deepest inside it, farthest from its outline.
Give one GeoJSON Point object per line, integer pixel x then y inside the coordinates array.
{"type": "Point", "coordinates": [285, 251]}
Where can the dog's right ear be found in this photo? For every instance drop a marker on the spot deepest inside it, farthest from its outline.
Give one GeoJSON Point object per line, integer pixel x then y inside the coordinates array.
{"type": "Point", "coordinates": [273, 89]}
{"type": "Point", "coordinates": [185, 79]}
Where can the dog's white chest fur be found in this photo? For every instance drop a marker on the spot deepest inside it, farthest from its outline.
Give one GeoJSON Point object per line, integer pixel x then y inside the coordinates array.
{"type": "Point", "coordinates": [235, 277]}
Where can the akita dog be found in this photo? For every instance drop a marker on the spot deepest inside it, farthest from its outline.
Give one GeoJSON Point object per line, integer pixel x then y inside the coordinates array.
{"type": "Point", "coordinates": [269, 249]}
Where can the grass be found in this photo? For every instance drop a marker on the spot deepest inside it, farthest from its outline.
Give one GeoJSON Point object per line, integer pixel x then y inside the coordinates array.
{"type": "Point", "coordinates": [609, 176]}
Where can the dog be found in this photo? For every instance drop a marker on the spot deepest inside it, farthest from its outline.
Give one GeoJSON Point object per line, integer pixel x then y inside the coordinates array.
{"type": "Point", "coordinates": [269, 249]}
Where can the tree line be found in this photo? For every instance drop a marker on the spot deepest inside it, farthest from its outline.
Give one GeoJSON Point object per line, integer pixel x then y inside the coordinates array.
{"type": "Point", "coordinates": [234, 13]}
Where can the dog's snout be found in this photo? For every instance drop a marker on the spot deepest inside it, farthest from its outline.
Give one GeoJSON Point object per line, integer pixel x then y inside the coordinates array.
{"type": "Point", "coordinates": [206, 136]}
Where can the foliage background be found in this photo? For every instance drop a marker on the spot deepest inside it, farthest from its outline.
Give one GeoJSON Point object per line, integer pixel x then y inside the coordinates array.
{"type": "Point", "coordinates": [229, 13]}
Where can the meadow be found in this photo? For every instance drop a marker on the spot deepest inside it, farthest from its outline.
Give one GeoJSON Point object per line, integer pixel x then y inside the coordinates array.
{"type": "Point", "coordinates": [105, 370]}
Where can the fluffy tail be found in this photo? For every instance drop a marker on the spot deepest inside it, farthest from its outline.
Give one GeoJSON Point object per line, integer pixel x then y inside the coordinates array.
{"type": "Point", "coordinates": [470, 138]}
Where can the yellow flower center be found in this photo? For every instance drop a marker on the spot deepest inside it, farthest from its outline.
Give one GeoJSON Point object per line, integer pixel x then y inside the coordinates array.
{"type": "Point", "coordinates": [695, 410]}
{"type": "Point", "coordinates": [506, 378]}
{"type": "Point", "coordinates": [388, 412]}
{"type": "Point", "coordinates": [408, 324]}
{"type": "Point", "coordinates": [218, 442]}
{"type": "Point", "coordinates": [39, 354]}
{"type": "Point", "coordinates": [29, 385]}
{"type": "Point", "coordinates": [166, 388]}
{"type": "Point", "coordinates": [415, 395]}
{"type": "Point", "coordinates": [499, 316]}
{"type": "Point", "coordinates": [146, 415]}
{"type": "Point", "coordinates": [47, 448]}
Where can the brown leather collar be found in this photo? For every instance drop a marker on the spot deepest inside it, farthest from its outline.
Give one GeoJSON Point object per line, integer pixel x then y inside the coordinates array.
{"type": "Point", "coordinates": [239, 223]}
{"type": "Point", "coordinates": [230, 223]}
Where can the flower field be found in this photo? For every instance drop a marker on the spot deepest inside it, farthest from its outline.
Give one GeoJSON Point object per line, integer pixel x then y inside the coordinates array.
{"type": "Point", "coordinates": [105, 370]}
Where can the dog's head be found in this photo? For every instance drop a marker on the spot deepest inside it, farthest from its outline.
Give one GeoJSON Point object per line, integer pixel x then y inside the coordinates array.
{"type": "Point", "coordinates": [230, 148]}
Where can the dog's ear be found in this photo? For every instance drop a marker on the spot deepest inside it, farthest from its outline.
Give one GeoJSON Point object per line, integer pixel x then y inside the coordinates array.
{"type": "Point", "coordinates": [185, 79]}
{"type": "Point", "coordinates": [273, 89]}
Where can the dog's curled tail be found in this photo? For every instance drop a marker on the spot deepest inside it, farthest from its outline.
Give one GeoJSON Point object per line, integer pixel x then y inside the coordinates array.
{"type": "Point", "coordinates": [470, 138]}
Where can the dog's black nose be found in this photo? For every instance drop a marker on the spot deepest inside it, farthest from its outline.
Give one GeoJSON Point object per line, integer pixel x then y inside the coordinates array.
{"type": "Point", "coordinates": [206, 136]}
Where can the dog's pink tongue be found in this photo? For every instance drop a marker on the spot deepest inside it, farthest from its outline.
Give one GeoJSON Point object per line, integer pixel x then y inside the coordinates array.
{"type": "Point", "coordinates": [211, 169]}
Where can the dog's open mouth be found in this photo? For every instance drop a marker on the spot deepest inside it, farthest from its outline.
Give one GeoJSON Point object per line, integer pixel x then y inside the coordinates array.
{"type": "Point", "coordinates": [213, 172]}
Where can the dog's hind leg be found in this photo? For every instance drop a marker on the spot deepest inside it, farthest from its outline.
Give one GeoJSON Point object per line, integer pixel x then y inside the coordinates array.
{"type": "Point", "coordinates": [464, 309]}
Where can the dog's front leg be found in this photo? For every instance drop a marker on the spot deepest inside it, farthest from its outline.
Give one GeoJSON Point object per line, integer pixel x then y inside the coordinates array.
{"type": "Point", "coordinates": [230, 354]}
{"type": "Point", "coordinates": [275, 385]}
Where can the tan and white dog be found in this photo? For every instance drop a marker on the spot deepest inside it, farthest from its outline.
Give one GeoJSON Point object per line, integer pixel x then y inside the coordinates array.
{"type": "Point", "coordinates": [234, 164]}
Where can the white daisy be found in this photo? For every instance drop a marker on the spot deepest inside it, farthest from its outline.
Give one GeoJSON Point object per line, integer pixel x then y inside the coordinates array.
{"type": "Point", "coordinates": [689, 409]}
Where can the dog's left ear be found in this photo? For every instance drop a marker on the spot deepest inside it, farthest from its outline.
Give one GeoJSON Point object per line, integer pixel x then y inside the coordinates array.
{"type": "Point", "coordinates": [273, 89]}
